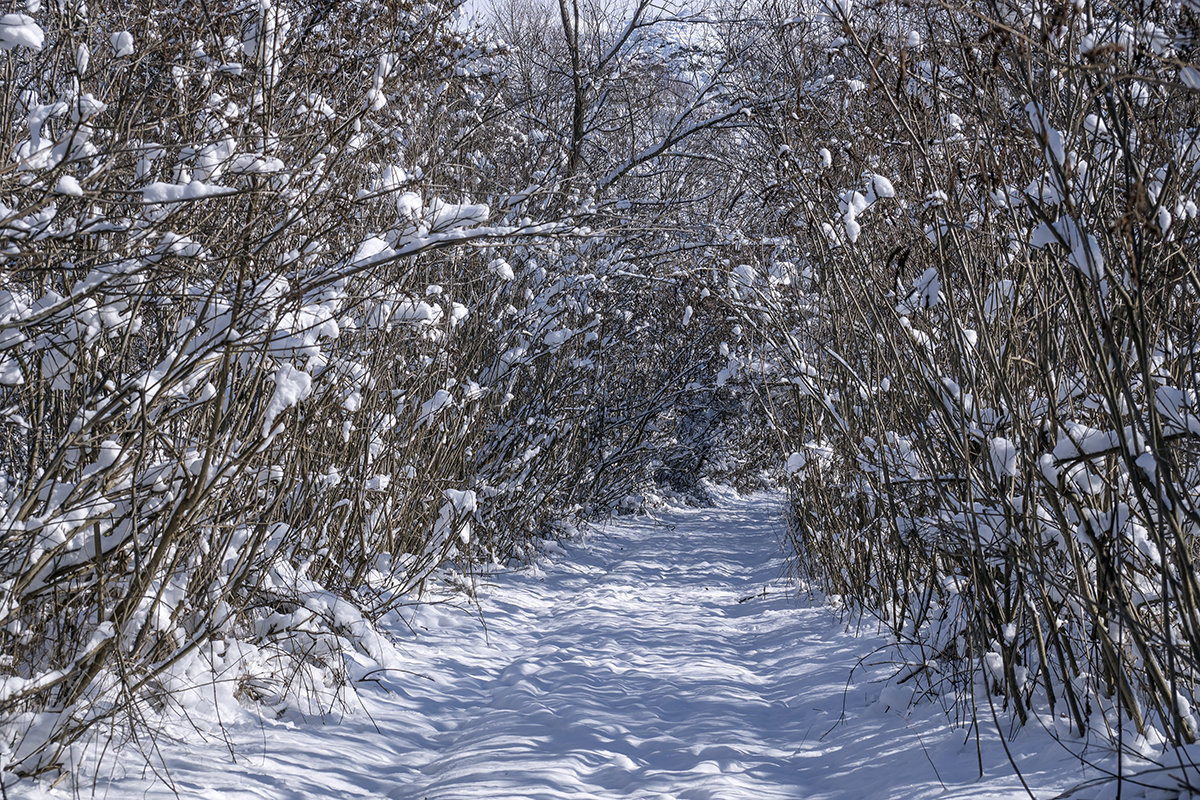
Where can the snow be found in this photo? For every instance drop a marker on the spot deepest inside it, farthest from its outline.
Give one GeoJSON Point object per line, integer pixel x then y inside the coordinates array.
{"type": "Point", "coordinates": [20, 30]}
{"type": "Point", "coordinates": [926, 293]}
{"type": "Point", "coordinates": [464, 502]}
{"type": "Point", "coordinates": [853, 229]}
{"type": "Point", "coordinates": [1051, 139]}
{"type": "Point", "coordinates": [444, 215]}
{"type": "Point", "coordinates": [160, 192]}
{"type": "Point", "coordinates": [659, 658]}
{"type": "Point", "coordinates": [291, 387]}
{"type": "Point", "coordinates": [837, 9]}
{"type": "Point", "coordinates": [409, 205]}
{"type": "Point", "coordinates": [267, 38]}
{"type": "Point", "coordinates": [391, 178]}
{"type": "Point", "coordinates": [554, 340]}
{"type": "Point", "coordinates": [68, 185]}
{"type": "Point", "coordinates": [254, 164]}
{"type": "Point", "coordinates": [10, 372]}
{"type": "Point", "coordinates": [369, 250]}
{"type": "Point", "coordinates": [122, 43]}
{"type": "Point", "coordinates": [1003, 454]}
{"type": "Point", "coordinates": [433, 406]}
{"type": "Point", "coordinates": [882, 186]}
{"type": "Point", "coordinates": [1084, 251]}
{"type": "Point", "coordinates": [501, 269]}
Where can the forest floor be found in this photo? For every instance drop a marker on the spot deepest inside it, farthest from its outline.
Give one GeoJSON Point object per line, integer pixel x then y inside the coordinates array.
{"type": "Point", "coordinates": [665, 657]}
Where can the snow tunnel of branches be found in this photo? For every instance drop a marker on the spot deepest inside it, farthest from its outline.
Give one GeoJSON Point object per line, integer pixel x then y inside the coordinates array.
{"type": "Point", "coordinates": [302, 303]}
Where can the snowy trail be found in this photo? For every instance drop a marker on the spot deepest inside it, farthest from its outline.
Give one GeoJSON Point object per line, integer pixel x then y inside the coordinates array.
{"type": "Point", "coordinates": [648, 670]}
{"type": "Point", "coordinates": [661, 659]}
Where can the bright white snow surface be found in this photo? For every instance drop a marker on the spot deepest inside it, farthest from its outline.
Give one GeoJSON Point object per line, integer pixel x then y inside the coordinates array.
{"type": "Point", "coordinates": [660, 657]}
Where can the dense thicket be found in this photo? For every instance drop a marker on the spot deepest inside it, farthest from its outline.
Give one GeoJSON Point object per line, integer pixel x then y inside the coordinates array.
{"type": "Point", "coordinates": [302, 302]}
{"type": "Point", "coordinates": [994, 355]}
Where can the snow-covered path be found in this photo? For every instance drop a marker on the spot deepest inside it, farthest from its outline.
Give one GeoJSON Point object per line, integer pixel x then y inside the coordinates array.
{"type": "Point", "coordinates": [660, 658]}
{"type": "Point", "coordinates": [648, 667]}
